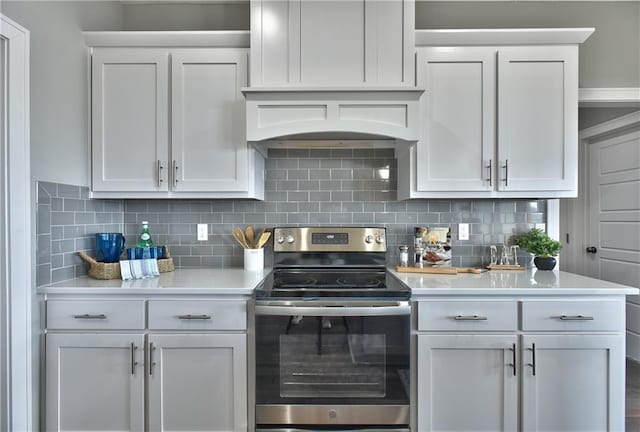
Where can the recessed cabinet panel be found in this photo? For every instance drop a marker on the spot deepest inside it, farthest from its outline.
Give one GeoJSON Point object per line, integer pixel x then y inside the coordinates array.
{"type": "Point", "coordinates": [577, 383]}
{"type": "Point", "coordinates": [332, 43]}
{"type": "Point", "coordinates": [91, 383]}
{"type": "Point", "coordinates": [129, 119]}
{"type": "Point", "coordinates": [458, 133]}
{"type": "Point", "coordinates": [467, 383]}
{"type": "Point", "coordinates": [208, 144]}
{"type": "Point", "coordinates": [537, 117]}
{"type": "Point", "coordinates": [198, 383]}
{"type": "Point", "coordinates": [332, 53]}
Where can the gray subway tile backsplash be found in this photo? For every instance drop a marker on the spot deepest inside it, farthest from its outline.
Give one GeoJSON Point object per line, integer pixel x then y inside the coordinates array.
{"type": "Point", "coordinates": [304, 187]}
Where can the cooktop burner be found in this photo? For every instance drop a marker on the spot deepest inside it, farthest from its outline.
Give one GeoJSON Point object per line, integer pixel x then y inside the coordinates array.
{"type": "Point", "coordinates": [330, 283]}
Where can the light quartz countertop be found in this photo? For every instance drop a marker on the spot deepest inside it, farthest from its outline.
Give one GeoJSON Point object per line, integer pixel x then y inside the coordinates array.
{"type": "Point", "coordinates": [510, 282]}
{"type": "Point", "coordinates": [236, 281]}
{"type": "Point", "coordinates": [226, 281]}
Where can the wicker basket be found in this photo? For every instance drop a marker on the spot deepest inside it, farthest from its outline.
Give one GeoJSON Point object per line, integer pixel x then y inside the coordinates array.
{"type": "Point", "coordinates": [101, 270]}
{"type": "Point", "coordinates": [105, 271]}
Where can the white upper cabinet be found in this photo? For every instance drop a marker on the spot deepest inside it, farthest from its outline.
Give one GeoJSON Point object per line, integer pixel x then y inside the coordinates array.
{"type": "Point", "coordinates": [169, 121]}
{"type": "Point", "coordinates": [130, 119]}
{"type": "Point", "coordinates": [538, 118]}
{"type": "Point", "coordinates": [458, 132]}
{"type": "Point", "coordinates": [209, 149]}
{"type": "Point", "coordinates": [332, 43]}
{"type": "Point", "coordinates": [498, 120]}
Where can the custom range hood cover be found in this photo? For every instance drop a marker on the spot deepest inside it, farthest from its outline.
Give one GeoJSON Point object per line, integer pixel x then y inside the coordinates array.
{"type": "Point", "coordinates": [325, 69]}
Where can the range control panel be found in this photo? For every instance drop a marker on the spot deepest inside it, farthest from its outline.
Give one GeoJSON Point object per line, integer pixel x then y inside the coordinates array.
{"type": "Point", "coordinates": [329, 239]}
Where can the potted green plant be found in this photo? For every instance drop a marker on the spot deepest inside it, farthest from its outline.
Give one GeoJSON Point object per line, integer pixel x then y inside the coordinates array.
{"type": "Point", "coordinates": [542, 246]}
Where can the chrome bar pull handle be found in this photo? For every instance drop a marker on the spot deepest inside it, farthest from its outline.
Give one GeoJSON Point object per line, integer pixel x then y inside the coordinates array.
{"type": "Point", "coordinates": [575, 318]}
{"type": "Point", "coordinates": [151, 362]}
{"type": "Point", "coordinates": [513, 353]}
{"type": "Point", "coordinates": [470, 318]}
{"type": "Point", "coordinates": [194, 317]}
{"type": "Point", "coordinates": [160, 167]}
{"type": "Point", "coordinates": [490, 167]}
{"type": "Point", "coordinates": [175, 172]}
{"type": "Point", "coordinates": [134, 363]}
{"type": "Point", "coordinates": [533, 359]}
{"type": "Point", "coordinates": [506, 172]}
{"type": "Point", "coordinates": [90, 316]}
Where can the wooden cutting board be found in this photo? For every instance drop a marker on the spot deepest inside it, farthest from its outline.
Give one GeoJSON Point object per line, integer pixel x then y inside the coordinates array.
{"type": "Point", "coordinates": [440, 270]}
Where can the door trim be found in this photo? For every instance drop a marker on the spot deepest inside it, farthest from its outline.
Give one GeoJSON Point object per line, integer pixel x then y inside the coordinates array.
{"type": "Point", "coordinates": [18, 401]}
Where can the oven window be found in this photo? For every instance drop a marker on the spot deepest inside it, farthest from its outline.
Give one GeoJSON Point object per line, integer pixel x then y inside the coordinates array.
{"type": "Point", "coordinates": [332, 365]}
{"type": "Point", "coordinates": [312, 359]}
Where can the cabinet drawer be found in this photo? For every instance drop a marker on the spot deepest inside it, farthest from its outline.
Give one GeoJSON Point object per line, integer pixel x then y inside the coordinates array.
{"type": "Point", "coordinates": [95, 314]}
{"type": "Point", "coordinates": [467, 315]}
{"type": "Point", "coordinates": [197, 315]}
{"type": "Point", "coordinates": [573, 315]}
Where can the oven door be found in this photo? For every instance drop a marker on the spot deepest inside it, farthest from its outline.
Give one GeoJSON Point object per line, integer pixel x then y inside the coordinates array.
{"type": "Point", "coordinates": [332, 363]}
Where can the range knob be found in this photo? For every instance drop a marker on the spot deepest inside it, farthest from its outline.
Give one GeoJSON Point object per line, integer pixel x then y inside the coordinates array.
{"type": "Point", "coordinates": [368, 239]}
{"type": "Point", "coordinates": [379, 239]}
{"type": "Point", "coordinates": [280, 239]}
{"type": "Point", "coordinates": [290, 239]}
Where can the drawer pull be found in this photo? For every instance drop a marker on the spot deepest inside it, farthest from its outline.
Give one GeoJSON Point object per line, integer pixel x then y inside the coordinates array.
{"type": "Point", "coordinates": [513, 353]}
{"type": "Point", "coordinates": [134, 363]}
{"type": "Point", "coordinates": [470, 318]}
{"type": "Point", "coordinates": [151, 362]}
{"type": "Point", "coordinates": [194, 317]}
{"type": "Point", "coordinates": [90, 316]}
{"type": "Point", "coordinates": [533, 359]}
{"type": "Point", "coordinates": [575, 318]}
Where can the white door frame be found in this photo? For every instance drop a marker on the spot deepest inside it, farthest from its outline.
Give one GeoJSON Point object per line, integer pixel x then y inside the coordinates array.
{"type": "Point", "coordinates": [16, 249]}
{"type": "Point", "coordinates": [575, 213]}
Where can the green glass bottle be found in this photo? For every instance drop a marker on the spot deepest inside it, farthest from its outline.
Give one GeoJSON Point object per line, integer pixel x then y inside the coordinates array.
{"type": "Point", "coordinates": [145, 237]}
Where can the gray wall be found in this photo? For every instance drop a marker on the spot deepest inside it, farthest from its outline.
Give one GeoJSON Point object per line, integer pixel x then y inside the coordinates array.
{"type": "Point", "coordinates": [609, 58]}
{"type": "Point", "coordinates": [304, 187]}
{"type": "Point", "coordinates": [186, 16]}
{"type": "Point", "coordinates": [59, 112]}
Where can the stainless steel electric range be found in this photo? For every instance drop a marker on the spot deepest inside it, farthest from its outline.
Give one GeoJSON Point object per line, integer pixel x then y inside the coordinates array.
{"type": "Point", "coordinates": [332, 334]}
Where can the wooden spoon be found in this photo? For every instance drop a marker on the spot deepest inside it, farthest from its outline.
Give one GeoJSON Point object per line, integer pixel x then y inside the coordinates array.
{"type": "Point", "coordinates": [239, 236]}
{"type": "Point", "coordinates": [249, 235]}
{"type": "Point", "coordinates": [264, 237]}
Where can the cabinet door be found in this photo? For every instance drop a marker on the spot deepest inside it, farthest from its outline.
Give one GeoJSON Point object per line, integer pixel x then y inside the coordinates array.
{"type": "Point", "coordinates": [467, 383]}
{"type": "Point", "coordinates": [198, 382]}
{"type": "Point", "coordinates": [94, 382]}
{"type": "Point", "coordinates": [538, 118]}
{"type": "Point", "coordinates": [130, 119]}
{"type": "Point", "coordinates": [573, 383]}
{"type": "Point", "coordinates": [208, 144]}
{"type": "Point", "coordinates": [456, 150]}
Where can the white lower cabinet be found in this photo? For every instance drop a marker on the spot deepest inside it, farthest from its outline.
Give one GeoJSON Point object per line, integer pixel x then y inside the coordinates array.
{"type": "Point", "coordinates": [573, 382]}
{"type": "Point", "coordinates": [193, 379]}
{"type": "Point", "coordinates": [466, 383]}
{"type": "Point", "coordinates": [197, 382]}
{"type": "Point", "coordinates": [568, 378]}
{"type": "Point", "coordinates": [94, 382]}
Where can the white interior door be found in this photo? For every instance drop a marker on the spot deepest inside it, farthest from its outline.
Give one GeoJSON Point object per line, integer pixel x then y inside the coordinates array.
{"type": "Point", "coordinates": [614, 200]}
{"type": "Point", "coordinates": [4, 305]}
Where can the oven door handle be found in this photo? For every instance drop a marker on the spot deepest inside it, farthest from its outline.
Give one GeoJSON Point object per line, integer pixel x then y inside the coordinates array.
{"type": "Point", "coordinates": [399, 308]}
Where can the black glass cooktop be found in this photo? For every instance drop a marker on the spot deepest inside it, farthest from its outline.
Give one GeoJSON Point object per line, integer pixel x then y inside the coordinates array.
{"type": "Point", "coordinates": [302, 283]}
